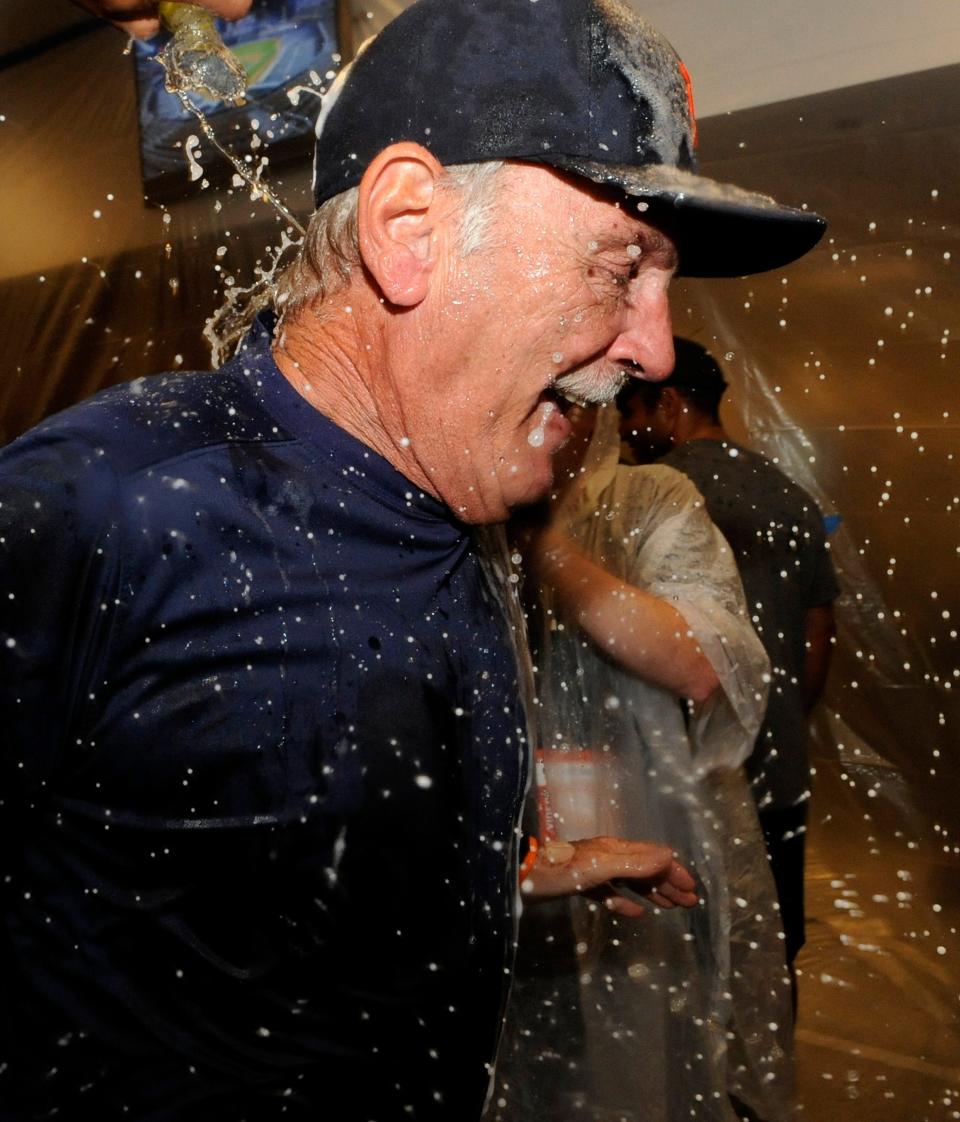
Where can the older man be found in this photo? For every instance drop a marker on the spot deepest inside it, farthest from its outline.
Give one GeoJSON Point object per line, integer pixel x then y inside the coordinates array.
{"type": "Point", "coordinates": [264, 754]}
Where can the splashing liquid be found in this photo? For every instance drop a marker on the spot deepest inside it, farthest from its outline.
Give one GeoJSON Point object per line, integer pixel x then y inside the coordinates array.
{"type": "Point", "coordinates": [536, 437]}
{"type": "Point", "coordinates": [196, 57]}
{"type": "Point", "coordinates": [190, 146]}
{"type": "Point", "coordinates": [196, 60]}
{"type": "Point", "coordinates": [258, 188]}
{"type": "Point", "coordinates": [229, 323]}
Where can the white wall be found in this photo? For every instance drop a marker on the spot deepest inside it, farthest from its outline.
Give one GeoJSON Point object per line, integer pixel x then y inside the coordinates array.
{"type": "Point", "coordinates": [753, 52]}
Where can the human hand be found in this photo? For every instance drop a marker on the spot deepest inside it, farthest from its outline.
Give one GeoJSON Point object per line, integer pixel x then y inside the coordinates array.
{"type": "Point", "coordinates": [608, 868]}
{"type": "Point", "coordinates": [139, 18]}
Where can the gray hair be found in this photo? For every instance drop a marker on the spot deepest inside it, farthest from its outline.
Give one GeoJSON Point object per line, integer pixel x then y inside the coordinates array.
{"type": "Point", "coordinates": [330, 250]}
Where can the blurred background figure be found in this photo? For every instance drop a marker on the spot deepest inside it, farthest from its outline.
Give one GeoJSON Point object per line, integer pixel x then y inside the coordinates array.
{"type": "Point", "coordinates": [652, 687]}
{"type": "Point", "coordinates": [776, 532]}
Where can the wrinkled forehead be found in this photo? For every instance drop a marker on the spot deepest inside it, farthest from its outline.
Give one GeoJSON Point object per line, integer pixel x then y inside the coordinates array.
{"type": "Point", "coordinates": [597, 217]}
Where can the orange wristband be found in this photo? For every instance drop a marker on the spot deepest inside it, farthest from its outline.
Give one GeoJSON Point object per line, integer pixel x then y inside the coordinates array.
{"type": "Point", "coordinates": [530, 860]}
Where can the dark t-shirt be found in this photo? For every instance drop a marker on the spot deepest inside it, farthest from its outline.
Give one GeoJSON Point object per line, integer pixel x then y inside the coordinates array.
{"type": "Point", "coordinates": [261, 766]}
{"type": "Point", "coordinates": [775, 530]}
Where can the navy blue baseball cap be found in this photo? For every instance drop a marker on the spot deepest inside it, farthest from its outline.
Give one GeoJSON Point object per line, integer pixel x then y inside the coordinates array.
{"type": "Point", "coordinates": [585, 86]}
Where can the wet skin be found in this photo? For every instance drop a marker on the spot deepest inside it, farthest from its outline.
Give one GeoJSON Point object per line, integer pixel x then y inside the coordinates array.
{"type": "Point", "coordinates": [570, 290]}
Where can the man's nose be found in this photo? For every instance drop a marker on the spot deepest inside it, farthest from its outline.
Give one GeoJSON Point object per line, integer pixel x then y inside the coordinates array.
{"type": "Point", "coordinates": [644, 346]}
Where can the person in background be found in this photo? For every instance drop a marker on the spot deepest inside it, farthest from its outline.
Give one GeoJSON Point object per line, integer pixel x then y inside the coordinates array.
{"type": "Point", "coordinates": [265, 753]}
{"type": "Point", "coordinates": [776, 532]}
{"type": "Point", "coordinates": [652, 689]}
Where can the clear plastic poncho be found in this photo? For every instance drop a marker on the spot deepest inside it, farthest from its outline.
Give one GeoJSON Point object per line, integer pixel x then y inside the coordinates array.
{"type": "Point", "coordinates": [656, 1019]}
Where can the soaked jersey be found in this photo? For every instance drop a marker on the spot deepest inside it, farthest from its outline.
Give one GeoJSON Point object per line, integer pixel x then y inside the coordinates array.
{"type": "Point", "coordinates": [261, 765]}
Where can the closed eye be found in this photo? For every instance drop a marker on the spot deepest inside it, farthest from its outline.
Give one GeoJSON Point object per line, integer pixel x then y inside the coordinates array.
{"type": "Point", "coordinates": [625, 276]}
{"type": "Point", "coordinates": [619, 275]}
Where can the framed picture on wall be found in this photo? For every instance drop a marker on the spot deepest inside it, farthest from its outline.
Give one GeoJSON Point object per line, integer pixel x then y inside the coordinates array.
{"type": "Point", "coordinates": [281, 45]}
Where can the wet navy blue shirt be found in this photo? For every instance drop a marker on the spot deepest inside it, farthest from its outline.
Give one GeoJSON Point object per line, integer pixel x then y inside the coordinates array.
{"type": "Point", "coordinates": [261, 765]}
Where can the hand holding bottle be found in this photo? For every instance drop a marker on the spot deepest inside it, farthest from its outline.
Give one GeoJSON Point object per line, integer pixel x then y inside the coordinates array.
{"type": "Point", "coordinates": [141, 19]}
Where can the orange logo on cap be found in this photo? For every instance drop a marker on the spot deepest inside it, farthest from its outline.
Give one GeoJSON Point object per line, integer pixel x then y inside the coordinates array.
{"type": "Point", "coordinates": [685, 74]}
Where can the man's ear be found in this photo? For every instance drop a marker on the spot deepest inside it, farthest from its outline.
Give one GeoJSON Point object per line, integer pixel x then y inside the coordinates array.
{"type": "Point", "coordinates": [671, 405]}
{"type": "Point", "coordinates": [399, 218]}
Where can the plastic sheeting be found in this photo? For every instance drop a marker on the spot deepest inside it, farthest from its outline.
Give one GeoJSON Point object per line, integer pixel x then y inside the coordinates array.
{"type": "Point", "coordinates": [843, 367]}
{"type": "Point", "coordinates": [615, 1020]}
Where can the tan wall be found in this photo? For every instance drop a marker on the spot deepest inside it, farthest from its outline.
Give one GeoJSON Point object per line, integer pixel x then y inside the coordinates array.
{"type": "Point", "coordinates": [847, 365]}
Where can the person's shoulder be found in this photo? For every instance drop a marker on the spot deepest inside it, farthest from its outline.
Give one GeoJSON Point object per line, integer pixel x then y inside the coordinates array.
{"type": "Point", "coordinates": [87, 465]}
{"type": "Point", "coordinates": [793, 495]}
{"type": "Point", "coordinates": [659, 483]}
{"type": "Point", "coordinates": [701, 459]}
{"type": "Point", "coordinates": [688, 450]}
{"type": "Point", "coordinates": [750, 469]}
{"type": "Point", "coordinates": [138, 425]}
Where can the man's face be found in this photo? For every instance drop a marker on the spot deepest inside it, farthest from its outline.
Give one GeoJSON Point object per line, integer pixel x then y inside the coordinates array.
{"type": "Point", "coordinates": [569, 294]}
{"type": "Point", "coordinates": [645, 430]}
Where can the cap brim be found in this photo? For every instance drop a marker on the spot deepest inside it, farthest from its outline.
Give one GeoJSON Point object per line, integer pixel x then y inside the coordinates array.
{"type": "Point", "coordinates": [721, 230]}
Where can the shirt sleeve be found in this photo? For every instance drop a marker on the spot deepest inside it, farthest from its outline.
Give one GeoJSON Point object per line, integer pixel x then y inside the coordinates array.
{"type": "Point", "coordinates": [824, 587]}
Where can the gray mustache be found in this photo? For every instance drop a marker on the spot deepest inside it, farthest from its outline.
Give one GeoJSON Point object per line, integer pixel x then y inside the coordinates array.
{"type": "Point", "coordinates": [591, 386]}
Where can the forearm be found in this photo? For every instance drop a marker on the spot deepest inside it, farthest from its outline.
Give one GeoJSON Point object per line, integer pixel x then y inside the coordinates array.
{"type": "Point", "coordinates": [643, 633]}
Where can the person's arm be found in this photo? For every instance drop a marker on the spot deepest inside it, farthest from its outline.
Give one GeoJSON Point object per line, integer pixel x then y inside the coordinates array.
{"type": "Point", "coordinates": [605, 867]}
{"type": "Point", "coordinates": [819, 631]}
{"type": "Point", "coordinates": [139, 18]}
{"type": "Point", "coordinates": [645, 634]}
